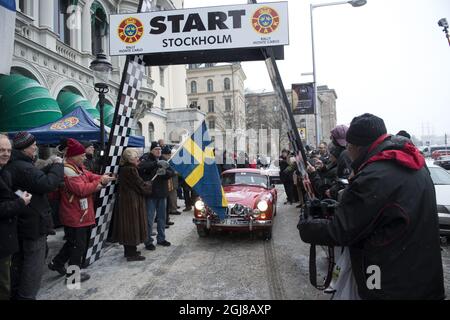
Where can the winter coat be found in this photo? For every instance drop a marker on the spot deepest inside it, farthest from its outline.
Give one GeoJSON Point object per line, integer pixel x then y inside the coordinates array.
{"type": "Point", "coordinates": [283, 174]}
{"type": "Point", "coordinates": [130, 220]}
{"type": "Point", "coordinates": [79, 184]}
{"type": "Point", "coordinates": [147, 170]}
{"type": "Point", "coordinates": [34, 220]}
{"type": "Point", "coordinates": [10, 206]}
{"type": "Point", "coordinates": [388, 219]}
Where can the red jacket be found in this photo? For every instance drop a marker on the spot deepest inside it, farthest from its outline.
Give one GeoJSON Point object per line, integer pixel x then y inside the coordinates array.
{"type": "Point", "coordinates": [79, 184]}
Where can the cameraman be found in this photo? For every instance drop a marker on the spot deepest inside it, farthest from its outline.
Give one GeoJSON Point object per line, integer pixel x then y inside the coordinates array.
{"type": "Point", "coordinates": [387, 217]}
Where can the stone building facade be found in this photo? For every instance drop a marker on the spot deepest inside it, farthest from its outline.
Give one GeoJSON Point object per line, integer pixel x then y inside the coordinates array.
{"type": "Point", "coordinates": [56, 40]}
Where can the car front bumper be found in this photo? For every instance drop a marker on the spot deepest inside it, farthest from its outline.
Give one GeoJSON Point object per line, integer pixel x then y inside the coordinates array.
{"type": "Point", "coordinates": [233, 224]}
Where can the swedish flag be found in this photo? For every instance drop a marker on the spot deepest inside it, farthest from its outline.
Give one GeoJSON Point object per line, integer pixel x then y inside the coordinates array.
{"type": "Point", "coordinates": [196, 163]}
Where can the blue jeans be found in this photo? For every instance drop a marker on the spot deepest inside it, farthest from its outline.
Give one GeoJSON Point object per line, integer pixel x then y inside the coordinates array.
{"type": "Point", "coordinates": [159, 206]}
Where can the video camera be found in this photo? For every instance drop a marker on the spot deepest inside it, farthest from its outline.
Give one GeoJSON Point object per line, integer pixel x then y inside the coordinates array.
{"type": "Point", "coordinates": [316, 209]}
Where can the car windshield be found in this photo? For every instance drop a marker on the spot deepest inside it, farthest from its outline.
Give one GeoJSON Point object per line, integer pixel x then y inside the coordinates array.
{"type": "Point", "coordinates": [247, 178]}
{"type": "Point", "coordinates": [439, 176]}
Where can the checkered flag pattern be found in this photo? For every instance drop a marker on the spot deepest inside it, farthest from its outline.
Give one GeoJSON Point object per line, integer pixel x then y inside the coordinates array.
{"type": "Point", "coordinates": [118, 141]}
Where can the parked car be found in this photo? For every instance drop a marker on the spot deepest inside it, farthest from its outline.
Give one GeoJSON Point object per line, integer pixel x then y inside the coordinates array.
{"type": "Point", "coordinates": [428, 150]}
{"type": "Point", "coordinates": [441, 180]}
{"type": "Point", "coordinates": [439, 153]}
{"type": "Point", "coordinates": [273, 171]}
{"type": "Point", "coordinates": [252, 203]}
{"type": "Point", "coordinates": [443, 162]}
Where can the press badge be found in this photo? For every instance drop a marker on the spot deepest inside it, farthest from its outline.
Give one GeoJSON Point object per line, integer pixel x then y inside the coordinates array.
{"type": "Point", "coordinates": [84, 204]}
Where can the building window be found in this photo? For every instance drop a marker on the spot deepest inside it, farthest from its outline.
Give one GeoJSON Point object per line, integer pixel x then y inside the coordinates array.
{"type": "Point", "coordinates": [210, 105]}
{"type": "Point", "coordinates": [21, 6]}
{"type": "Point", "coordinates": [99, 29]}
{"type": "Point", "coordinates": [151, 132]}
{"type": "Point", "coordinates": [228, 124]}
{"type": "Point", "coordinates": [61, 17]}
{"type": "Point", "coordinates": [227, 84]}
{"type": "Point", "coordinates": [228, 105]}
{"type": "Point", "coordinates": [25, 6]}
{"type": "Point", "coordinates": [210, 85]}
{"type": "Point", "coordinates": [212, 124]}
{"type": "Point", "coordinates": [139, 129]}
{"type": "Point", "coordinates": [193, 87]}
{"type": "Point", "coordinates": [163, 103]}
{"type": "Point", "coordinates": [161, 76]}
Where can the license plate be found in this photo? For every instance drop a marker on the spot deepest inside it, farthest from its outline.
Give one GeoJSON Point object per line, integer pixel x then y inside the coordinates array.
{"type": "Point", "coordinates": [231, 221]}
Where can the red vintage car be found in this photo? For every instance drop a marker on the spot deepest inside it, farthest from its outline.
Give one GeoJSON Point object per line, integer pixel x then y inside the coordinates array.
{"type": "Point", "coordinates": [252, 203]}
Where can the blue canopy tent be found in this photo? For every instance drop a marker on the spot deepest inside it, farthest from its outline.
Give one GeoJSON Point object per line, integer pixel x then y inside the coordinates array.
{"type": "Point", "coordinates": [79, 125]}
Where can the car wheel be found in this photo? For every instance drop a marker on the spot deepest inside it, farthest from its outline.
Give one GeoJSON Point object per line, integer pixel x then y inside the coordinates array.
{"type": "Point", "coordinates": [202, 232]}
{"type": "Point", "coordinates": [267, 234]}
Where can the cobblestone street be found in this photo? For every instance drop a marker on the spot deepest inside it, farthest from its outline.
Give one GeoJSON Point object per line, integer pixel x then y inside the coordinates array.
{"type": "Point", "coordinates": [222, 267]}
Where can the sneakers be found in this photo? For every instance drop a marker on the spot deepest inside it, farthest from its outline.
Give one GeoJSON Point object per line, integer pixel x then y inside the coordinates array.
{"type": "Point", "coordinates": [136, 258]}
{"type": "Point", "coordinates": [329, 290]}
{"type": "Point", "coordinates": [170, 223]}
{"type": "Point", "coordinates": [58, 268]}
{"type": "Point", "coordinates": [164, 243]}
{"type": "Point", "coordinates": [150, 247]}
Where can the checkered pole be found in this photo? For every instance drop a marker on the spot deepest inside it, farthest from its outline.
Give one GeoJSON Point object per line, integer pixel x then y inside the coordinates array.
{"type": "Point", "coordinates": [118, 140]}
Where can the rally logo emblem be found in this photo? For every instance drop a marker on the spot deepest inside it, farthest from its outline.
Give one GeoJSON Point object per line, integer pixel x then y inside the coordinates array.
{"type": "Point", "coordinates": [130, 30]}
{"type": "Point", "coordinates": [65, 123]}
{"type": "Point", "coordinates": [265, 20]}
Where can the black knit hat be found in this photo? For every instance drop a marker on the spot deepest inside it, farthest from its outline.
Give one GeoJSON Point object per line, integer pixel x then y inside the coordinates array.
{"type": "Point", "coordinates": [365, 129]}
{"type": "Point", "coordinates": [23, 140]}
{"type": "Point", "coordinates": [403, 133]}
{"type": "Point", "coordinates": [155, 145]}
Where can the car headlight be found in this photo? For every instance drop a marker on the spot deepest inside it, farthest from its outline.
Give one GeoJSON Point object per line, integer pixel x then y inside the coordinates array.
{"type": "Point", "coordinates": [199, 205]}
{"type": "Point", "coordinates": [263, 206]}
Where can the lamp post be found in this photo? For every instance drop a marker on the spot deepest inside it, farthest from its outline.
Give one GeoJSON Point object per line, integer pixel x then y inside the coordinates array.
{"type": "Point", "coordinates": [354, 3]}
{"type": "Point", "coordinates": [102, 71]}
{"type": "Point", "coordinates": [444, 24]}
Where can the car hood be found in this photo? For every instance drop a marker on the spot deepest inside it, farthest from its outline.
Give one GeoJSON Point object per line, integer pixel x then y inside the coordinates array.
{"type": "Point", "coordinates": [443, 194]}
{"type": "Point", "coordinates": [245, 195]}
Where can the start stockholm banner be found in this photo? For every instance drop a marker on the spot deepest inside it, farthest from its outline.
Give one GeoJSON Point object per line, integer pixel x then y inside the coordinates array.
{"type": "Point", "coordinates": [212, 28]}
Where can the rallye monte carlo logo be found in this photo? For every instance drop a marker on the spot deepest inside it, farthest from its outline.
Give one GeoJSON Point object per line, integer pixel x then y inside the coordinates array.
{"type": "Point", "coordinates": [130, 30]}
{"type": "Point", "coordinates": [265, 20]}
{"type": "Point", "coordinates": [65, 123]}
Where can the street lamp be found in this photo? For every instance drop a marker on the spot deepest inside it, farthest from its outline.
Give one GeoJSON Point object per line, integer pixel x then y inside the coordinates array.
{"type": "Point", "coordinates": [353, 3]}
{"type": "Point", "coordinates": [102, 71]}
{"type": "Point", "coordinates": [444, 24]}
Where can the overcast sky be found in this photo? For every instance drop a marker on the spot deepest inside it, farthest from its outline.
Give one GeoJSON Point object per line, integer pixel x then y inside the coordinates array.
{"type": "Point", "coordinates": [389, 58]}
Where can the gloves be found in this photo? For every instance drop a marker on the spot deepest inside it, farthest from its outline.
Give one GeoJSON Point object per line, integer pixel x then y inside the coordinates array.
{"type": "Point", "coordinates": [163, 164]}
{"type": "Point", "coordinates": [55, 159]}
{"type": "Point", "coordinates": [161, 172]}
